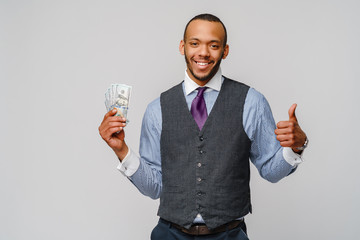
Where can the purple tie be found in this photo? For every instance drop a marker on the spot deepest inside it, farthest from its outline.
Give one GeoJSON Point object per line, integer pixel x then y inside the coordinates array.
{"type": "Point", "coordinates": [198, 108]}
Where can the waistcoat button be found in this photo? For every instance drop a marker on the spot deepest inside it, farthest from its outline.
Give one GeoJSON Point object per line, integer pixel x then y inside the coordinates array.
{"type": "Point", "coordinates": [199, 179]}
{"type": "Point", "coordinates": [199, 164]}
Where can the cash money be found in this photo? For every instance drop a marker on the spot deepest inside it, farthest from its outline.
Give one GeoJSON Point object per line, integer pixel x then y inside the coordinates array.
{"type": "Point", "coordinates": [118, 96]}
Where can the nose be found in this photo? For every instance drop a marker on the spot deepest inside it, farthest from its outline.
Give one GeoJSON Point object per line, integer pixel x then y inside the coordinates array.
{"type": "Point", "coordinates": [204, 51]}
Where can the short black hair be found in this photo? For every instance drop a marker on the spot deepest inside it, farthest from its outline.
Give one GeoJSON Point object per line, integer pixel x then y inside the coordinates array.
{"type": "Point", "coordinates": [207, 17]}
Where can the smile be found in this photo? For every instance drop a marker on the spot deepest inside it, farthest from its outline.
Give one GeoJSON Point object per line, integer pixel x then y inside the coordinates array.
{"type": "Point", "coordinates": [202, 63]}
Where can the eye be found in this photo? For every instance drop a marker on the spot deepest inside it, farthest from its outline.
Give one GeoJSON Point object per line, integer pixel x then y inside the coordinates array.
{"type": "Point", "coordinates": [214, 46]}
{"type": "Point", "coordinates": [194, 44]}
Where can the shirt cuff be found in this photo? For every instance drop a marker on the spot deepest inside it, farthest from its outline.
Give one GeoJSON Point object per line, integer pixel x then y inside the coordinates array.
{"type": "Point", "coordinates": [291, 157]}
{"type": "Point", "coordinates": [130, 164]}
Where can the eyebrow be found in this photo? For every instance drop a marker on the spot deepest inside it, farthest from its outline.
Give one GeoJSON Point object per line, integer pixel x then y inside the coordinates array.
{"type": "Point", "coordinates": [196, 39]}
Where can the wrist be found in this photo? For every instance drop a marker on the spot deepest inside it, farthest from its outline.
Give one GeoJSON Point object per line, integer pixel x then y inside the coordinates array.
{"type": "Point", "coordinates": [121, 153]}
{"type": "Point", "coordinates": [296, 150]}
{"type": "Point", "coordinates": [299, 150]}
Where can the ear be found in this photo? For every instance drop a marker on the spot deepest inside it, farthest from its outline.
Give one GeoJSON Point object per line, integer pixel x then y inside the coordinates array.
{"type": "Point", "coordinates": [181, 47]}
{"type": "Point", "coordinates": [226, 51]}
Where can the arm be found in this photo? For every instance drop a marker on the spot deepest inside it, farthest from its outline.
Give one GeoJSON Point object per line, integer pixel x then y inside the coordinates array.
{"type": "Point", "coordinates": [148, 178]}
{"type": "Point", "coordinates": [273, 161]}
{"type": "Point", "coordinates": [145, 171]}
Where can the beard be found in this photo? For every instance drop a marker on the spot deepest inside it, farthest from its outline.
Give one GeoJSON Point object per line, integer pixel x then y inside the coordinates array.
{"type": "Point", "coordinates": [211, 73]}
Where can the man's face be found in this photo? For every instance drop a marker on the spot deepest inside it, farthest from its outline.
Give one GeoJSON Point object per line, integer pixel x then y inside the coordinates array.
{"type": "Point", "coordinates": [203, 49]}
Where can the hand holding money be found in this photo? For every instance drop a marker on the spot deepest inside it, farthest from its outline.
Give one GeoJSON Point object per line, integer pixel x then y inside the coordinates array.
{"type": "Point", "coordinates": [112, 127]}
{"type": "Point", "coordinates": [112, 131]}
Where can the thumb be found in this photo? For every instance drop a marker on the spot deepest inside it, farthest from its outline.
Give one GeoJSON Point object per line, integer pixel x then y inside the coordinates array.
{"type": "Point", "coordinates": [292, 112]}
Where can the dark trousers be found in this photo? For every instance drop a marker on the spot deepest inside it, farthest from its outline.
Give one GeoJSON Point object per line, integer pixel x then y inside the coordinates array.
{"type": "Point", "coordinates": [164, 231]}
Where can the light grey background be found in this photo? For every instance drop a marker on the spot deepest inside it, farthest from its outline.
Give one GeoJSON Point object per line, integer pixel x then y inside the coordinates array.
{"type": "Point", "coordinates": [59, 180]}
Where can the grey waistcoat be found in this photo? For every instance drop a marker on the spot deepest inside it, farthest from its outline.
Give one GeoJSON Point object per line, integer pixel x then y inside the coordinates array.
{"type": "Point", "coordinates": [205, 171]}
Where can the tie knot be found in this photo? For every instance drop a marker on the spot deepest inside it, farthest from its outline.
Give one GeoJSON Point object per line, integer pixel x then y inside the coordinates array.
{"type": "Point", "coordinates": [201, 91]}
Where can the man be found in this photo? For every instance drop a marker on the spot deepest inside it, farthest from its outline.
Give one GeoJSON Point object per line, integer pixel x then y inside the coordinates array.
{"type": "Point", "coordinates": [197, 139]}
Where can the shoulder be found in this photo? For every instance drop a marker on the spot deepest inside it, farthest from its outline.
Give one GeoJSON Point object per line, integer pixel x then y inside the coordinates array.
{"type": "Point", "coordinates": [254, 97]}
{"type": "Point", "coordinates": [152, 117]}
{"type": "Point", "coordinates": [153, 108]}
{"type": "Point", "coordinates": [258, 117]}
{"type": "Point", "coordinates": [257, 105]}
{"type": "Point", "coordinates": [234, 83]}
{"type": "Point", "coordinates": [154, 104]}
{"type": "Point", "coordinates": [172, 90]}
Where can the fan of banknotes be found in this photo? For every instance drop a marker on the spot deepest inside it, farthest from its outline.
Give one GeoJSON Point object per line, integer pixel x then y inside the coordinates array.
{"type": "Point", "coordinates": [118, 96]}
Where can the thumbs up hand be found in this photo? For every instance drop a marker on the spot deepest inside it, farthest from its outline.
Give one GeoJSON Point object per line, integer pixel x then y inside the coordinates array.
{"type": "Point", "coordinates": [289, 133]}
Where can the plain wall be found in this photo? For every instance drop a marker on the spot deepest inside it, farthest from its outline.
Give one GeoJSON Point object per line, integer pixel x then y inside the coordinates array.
{"type": "Point", "coordinates": [58, 178]}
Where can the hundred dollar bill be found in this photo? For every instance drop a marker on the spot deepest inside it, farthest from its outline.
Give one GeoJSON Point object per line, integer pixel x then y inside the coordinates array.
{"type": "Point", "coordinates": [118, 96]}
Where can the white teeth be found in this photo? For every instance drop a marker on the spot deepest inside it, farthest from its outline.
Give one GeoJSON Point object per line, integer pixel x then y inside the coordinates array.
{"type": "Point", "coordinates": [202, 64]}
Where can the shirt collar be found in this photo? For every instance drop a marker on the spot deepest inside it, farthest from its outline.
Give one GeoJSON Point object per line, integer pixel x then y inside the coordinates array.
{"type": "Point", "coordinates": [213, 84]}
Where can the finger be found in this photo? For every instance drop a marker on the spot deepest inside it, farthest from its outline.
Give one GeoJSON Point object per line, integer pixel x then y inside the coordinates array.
{"type": "Point", "coordinates": [108, 134]}
{"type": "Point", "coordinates": [286, 143]}
{"type": "Point", "coordinates": [106, 124]}
{"type": "Point", "coordinates": [285, 124]}
{"type": "Point", "coordinates": [115, 130]}
{"type": "Point", "coordinates": [292, 112]}
{"type": "Point", "coordinates": [117, 119]}
{"type": "Point", "coordinates": [122, 119]}
{"type": "Point", "coordinates": [285, 137]}
{"type": "Point", "coordinates": [110, 125]}
{"type": "Point", "coordinates": [112, 121]}
{"type": "Point", "coordinates": [115, 124]}
{"type": "Point", "coordinates": [110, 113]}
{"type": "Point", "coordinates": [282, 131]}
